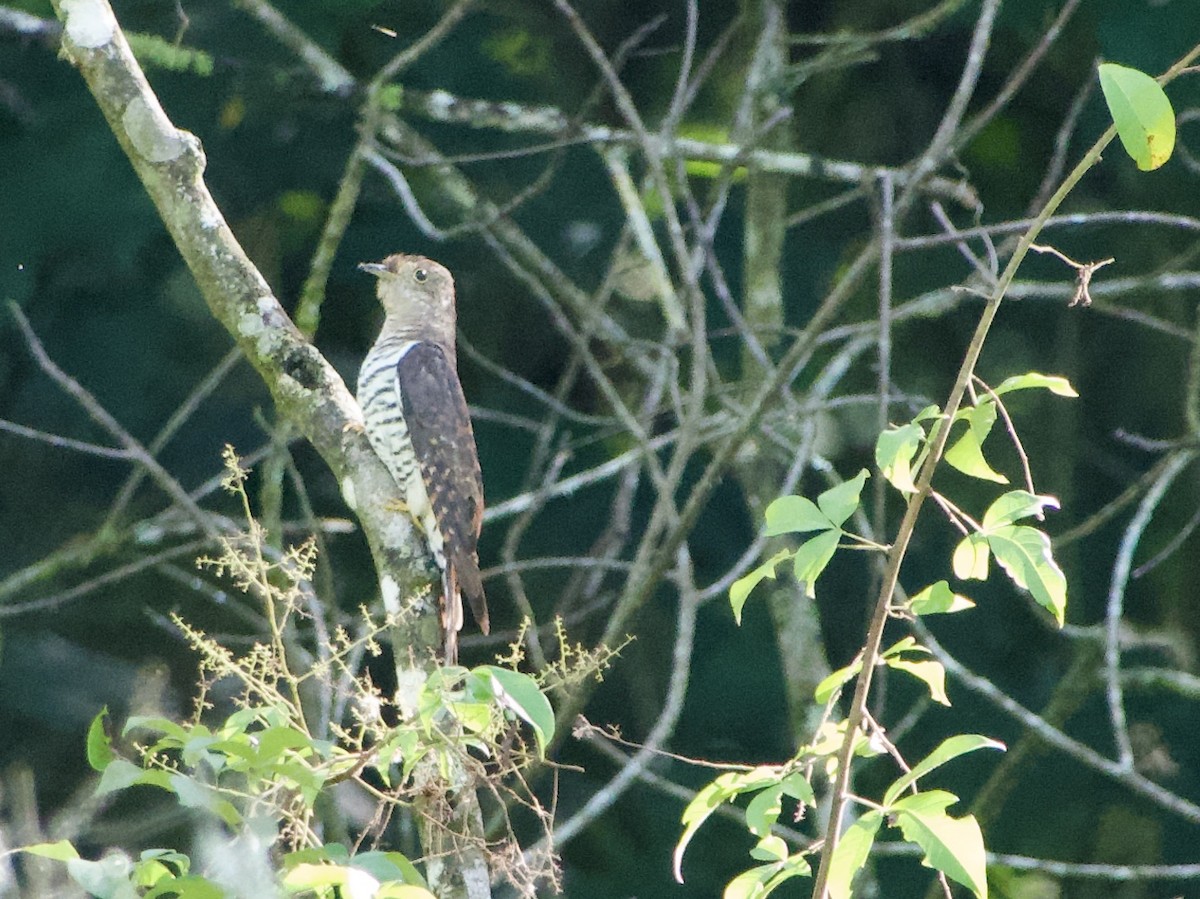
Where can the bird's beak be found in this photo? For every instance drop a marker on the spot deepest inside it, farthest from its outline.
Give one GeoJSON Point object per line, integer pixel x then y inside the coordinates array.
{"type": "Point", "coordinates": [373, 268]}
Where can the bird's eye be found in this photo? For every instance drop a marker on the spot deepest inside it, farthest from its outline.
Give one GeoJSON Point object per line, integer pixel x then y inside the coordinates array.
{"type": "Point", "coordinates": [421, 276]}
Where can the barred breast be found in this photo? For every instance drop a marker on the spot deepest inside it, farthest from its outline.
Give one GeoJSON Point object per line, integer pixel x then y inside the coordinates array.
{"type": "Point", "coordinates": [383, 417]}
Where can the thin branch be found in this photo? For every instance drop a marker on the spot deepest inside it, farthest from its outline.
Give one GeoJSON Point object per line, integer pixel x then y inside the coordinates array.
{"type": "Point", "coordinates": [1116, 600]}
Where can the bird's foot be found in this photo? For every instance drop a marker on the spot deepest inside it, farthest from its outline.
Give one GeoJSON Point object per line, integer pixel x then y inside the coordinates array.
{"type": "Point", "coordinates": [399, 505]}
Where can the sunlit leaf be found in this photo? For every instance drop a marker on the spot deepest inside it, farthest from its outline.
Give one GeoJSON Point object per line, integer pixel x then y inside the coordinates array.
{"type": "Point", "coordinates": [739, 590]}
{"type": "Point", "coordinates": [953, 846]}
{"type": "Point", "coordinates": [851, 853]}
{"type": "Point", "coordinates": [970, 561]}
{"type": "Point", "coordinates": [938, 598]}
{"type": "Point", "coordinates": [950, 748]}
{"type": "Point", "coordinates": [1015, 505]}
{"type": "Point", "coordinates": [770, 848]}
{"type": "Point", "coordinates": [1024, 554]}
{"type": "Point", "coordinates": [1142, 113]}
{"type": "Point", "coordinates": [839, 503]}
{"type": "Point", "coordinates": [895, 451]}
{"type": "Point", "coordinates": [727, 786]}
{"type": "Point", "coordinates": [61, 851]}
{"type": "Point", "coordinates": [967, 452]}
{"type": "Point", "coordinates": [795, 515]}
{"type": "Point", "coordinates": [930, 672]}
{"type": "Point", "coordinates": [812, 557]}
{"type": "Point", "coordinates": [1054, 383]}
{"type": "Point", "coordinates": [763, 811]}
{"type": "Point", "coordinates": [835, 680]}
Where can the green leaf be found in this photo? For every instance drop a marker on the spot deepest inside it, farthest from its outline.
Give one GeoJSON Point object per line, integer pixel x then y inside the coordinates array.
{"type": "Point", "coordinates": [389, 866]}
{"type": "Point", "coordinates": [938, 598]}
{"type": "Point", "coordinates": [835, 680]}
{"type": "Point", "coordinates": [904, 644]}
{"type": "Point", "coordinates": [797, 786]}
{"type": "Point", "coordinates": [107, 878]}
{"type": "Point", "coordinates": [99, 744]}
{"type": "Point", "coordinates": [118, 775]}
{"type": "Point", "coordinates": [838, 503]}
{"type": "Point", "coordinates": [970, 560]}
{"type": "Point", "coordinates": [402, 891]}
{"type": "Point", "coordinates": [953, 846]}
{"type": "Point", "coordinates": [1024, 554]}
{"type": "Point", "coordinates": [1142, 113]}
{"type": "Point", "coordinates": [895, 451]}
{"type": "Point", "coordinates": [950, 748]}
{"type": "Point", "coordinates": [192, 887]}
{"type": "Point", "coordinates": [851, 853]}
{"type": "Point", "coordinates": [761, 881]}
{"type": "Point", "coordinates": [1015, 505]}
{"type": "Point", "coordinates": [812, 557]}
{"type": "Point", "coordinates": [770, 848]}
{"type": "Point", "coordinates": [967, 452]}
{"type": "Point", "coordinates": [727, 786]}
{"type": "Point", "coordinates": [751, 884]}
{"type": "Point", "coordinates": [1054, 383]}
{"type": "Point", "coordinates": [763, 811]}
{"type": "Point", "coordinates": [194, 794]}
{"type": "Point", "coordinates": [519, 693]}
{"type": "Point", "coordinates": [795, 515]}
{"type": "Point", "coordinates": [739, 591]}
{"type": "Point", "coordinates": [162, 725]}
{"type": "Point", "coordinates": [932, 673]}
{"type": "Point", "coordinates": [61, 851]}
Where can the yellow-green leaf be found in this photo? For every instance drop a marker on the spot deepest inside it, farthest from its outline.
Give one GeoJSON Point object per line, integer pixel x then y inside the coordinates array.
{"type": "Point", "coordinates": [1142, 113]}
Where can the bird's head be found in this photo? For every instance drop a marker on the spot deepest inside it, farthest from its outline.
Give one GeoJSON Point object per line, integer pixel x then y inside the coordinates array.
{"type": "Point", "coordinates": [417, 295]}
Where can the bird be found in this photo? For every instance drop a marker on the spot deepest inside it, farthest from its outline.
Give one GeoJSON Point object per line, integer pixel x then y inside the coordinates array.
{"type": "Point", "coordinates": [416, 419]}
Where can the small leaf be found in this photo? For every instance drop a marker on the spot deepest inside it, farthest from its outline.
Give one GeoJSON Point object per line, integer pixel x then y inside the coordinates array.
{"type": "Point", "coordinates": [797, 786]}
{"type": "Point", "coordinates": [1024, 554]}
{"type": "Point", "coordinates": [938, 598]}
{"type": "Point", "coordinates": [739, 590]}
{"type": "Point", "coordinates": [970, 560]}
{"type": "Point", "coordinates": [61, 851]}
{"type": "Point", "coordinates": [904, 644]}
{"type": "Point", "coordinates": [519, 693]}
{"type": "Point", "coordinates": [710, 798]}
{"type": "Point", "coordinates": [1015, 505]}
{"type": "Point", "coordinates": [834, 681]}
{"type": "Point", "coordinates": [795, 515]}
{"type": "Point", "coordinates": [894, 453]}
{"type": "Point", "coordinates": [751, 884]}
{"type": "Point", "coordinates": [118, 775]}
{"type": "Point", "coordinates": [99, 744]}
{"type": "Point", "coordinates": [812, 557]}
{"type": "Point", "coordinates": [108, 877]}
{"type": "Point", "coordinates": [850, 854]}
{"type": "Point", "coordinates": [839, 502]}
{"type": "Point", "coordinates": [1142, 113]}
{"type": "Point", "coordinates": [953, 846]}
{"type": "Point", "coordinates": [763, 811]}
{"type": "Point", "coordinates": [1054, 383]}
{"type": "Point", "coordinates": [950, 748]}
{"type": "Point", "coordinates": [770, 848]}
{"type": "Point", "coordinates": [932, 673]}
{"type": "Point", "coordinates": [967, 452]}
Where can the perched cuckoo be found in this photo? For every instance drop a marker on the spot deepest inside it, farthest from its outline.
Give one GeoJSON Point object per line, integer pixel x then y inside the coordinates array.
{"type": "Point", "coordinates": [417, 421]}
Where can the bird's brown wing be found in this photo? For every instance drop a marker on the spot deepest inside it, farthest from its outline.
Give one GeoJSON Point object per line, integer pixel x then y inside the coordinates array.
{"type": "Point", "coordinates": [440, 429]}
